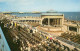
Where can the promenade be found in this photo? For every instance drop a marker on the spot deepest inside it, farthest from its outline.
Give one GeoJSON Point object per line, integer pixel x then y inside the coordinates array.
{"type": "Point", "coordinates": [26, 37]}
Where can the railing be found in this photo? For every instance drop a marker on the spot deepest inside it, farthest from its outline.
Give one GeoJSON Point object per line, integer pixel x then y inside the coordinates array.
{"type": "Point", "coordinates": [69, 42]}
{"type": "Point", "coordinates": [4, 45]}
{"type": "Point", "coordinates": [64, 40]}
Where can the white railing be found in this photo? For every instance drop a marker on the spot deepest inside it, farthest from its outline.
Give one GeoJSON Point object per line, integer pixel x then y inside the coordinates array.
{"type": "Point", "coordinates": [3, 44]}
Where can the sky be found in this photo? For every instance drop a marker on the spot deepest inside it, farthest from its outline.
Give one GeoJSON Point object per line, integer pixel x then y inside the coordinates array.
{"type": "Point", "coordinates": [39, 5]}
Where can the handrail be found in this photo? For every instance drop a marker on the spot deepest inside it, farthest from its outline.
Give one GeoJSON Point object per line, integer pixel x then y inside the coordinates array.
{"type": "Point", "coordinates": [69, 42]}
{"type": "Point", "coordinates": [4, 42]}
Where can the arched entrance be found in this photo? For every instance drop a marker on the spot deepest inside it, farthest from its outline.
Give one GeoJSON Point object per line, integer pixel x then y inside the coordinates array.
{"type": "Point", "coordinates": [45, 21]}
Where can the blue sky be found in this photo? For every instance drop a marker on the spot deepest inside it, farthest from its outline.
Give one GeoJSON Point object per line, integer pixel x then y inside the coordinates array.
{"type": "Point", "coordinates": [39, 5]}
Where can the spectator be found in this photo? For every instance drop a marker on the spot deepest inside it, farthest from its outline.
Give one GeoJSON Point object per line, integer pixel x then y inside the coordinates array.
{"type": "Point", "coordinates": [75, 49]}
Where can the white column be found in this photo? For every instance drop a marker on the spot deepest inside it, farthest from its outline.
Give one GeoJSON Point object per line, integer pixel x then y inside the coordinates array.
{"type": "Point", "coordinates": [40, 22]}
{"type": "Point", "coordinates": [49, 21]}
{"type": "Point", "coordinates": [78, 30]}
{"type": "Point", "coordinates": [60, 22]}
{"type": "Point", "coordinates": [67, 28]}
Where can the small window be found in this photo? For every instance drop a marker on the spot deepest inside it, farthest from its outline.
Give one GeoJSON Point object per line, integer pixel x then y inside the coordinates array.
{"type": "Point", "coordinates": [0, 36]}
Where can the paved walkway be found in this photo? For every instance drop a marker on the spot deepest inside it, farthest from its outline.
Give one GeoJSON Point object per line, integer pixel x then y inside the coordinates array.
{"type": "Point", "coordinates": [56, 33]}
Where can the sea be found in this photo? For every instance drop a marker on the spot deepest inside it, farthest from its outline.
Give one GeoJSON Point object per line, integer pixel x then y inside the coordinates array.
{"type": "Point", "coordinates": [72, 15]}
{"type": "Point", "coordinates": [68, 15]}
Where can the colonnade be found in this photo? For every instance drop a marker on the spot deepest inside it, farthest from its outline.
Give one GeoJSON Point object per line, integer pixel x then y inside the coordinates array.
{"type": "Point", "coordinates": [78, 29]}
{"type": "Point", "coordinates": [54, 21]}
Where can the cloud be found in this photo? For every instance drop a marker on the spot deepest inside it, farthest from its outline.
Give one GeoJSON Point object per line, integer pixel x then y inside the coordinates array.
{"type": "Point", "coordinates": [2, 0]}
{"type": "Point", "coordinates": [18, 2]}
{"type": "Point", "coordinates": [7, 0]}
{"type": "Point", "coordinates": [22, 5]}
